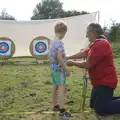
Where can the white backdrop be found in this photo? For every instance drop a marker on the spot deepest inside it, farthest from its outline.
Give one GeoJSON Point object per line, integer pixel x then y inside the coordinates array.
{"type": "Point", "coordinates": [23, 32]}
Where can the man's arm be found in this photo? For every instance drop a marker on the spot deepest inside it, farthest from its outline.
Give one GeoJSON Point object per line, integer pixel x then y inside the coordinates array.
{"type": "Point", "coordinates": [78, 55]}
{"type": "Point", "coordinates": [96, 55]}
{"type": "Point", "coordinates": [82, 64]}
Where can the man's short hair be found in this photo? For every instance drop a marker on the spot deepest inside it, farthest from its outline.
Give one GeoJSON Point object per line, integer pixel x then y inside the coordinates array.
{"type": "Point", "coordinates": [60, 27]}
{"type": "Point", "coordinates": [96, 28]}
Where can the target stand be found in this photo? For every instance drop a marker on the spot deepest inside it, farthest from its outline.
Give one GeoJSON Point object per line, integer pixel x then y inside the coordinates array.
{"type": "Point", "coordinates": [7, 49]}
{"type": "Point", "coordinates": [39, 48]}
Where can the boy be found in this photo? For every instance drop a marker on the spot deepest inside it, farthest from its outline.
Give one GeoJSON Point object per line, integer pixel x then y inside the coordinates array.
{"type": "Point", "coordinates": [58, 68]}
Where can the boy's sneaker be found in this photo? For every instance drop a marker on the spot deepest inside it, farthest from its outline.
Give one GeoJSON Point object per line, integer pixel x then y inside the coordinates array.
{"type": "Point", "coordinates": [65, 114]}
{"type": "Point", "coordinates": [56, 108]}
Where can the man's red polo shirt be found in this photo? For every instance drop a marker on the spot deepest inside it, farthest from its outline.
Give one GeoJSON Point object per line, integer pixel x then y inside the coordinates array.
{"type": "Point", "coordinates": [102, 70]}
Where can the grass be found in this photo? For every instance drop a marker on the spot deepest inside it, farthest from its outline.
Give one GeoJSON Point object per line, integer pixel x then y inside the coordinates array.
{"type": "Point", "coordinates": [28, 89]}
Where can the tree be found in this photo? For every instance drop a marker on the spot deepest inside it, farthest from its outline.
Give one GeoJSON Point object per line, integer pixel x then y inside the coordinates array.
{"type": "Point", "coordinates": [106, 31]}
{"type": "Point", "coordinates": [74, 13]}
{"type": "Point", "coordinates": [5, 16]}
{"type": "Point", "coordinates": [114, 32]}
{"type": "Point", "coordinates": [49, 9]}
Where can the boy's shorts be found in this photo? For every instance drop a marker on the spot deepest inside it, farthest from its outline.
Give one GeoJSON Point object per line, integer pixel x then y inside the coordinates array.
{"type": "Point", "coordinates": [58, 77]}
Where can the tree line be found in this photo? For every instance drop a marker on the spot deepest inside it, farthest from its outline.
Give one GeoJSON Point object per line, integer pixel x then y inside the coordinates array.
{"type": "Point", "coordinates": [46, 9]}
{"type": "Point", "coordinates": [50, 9]}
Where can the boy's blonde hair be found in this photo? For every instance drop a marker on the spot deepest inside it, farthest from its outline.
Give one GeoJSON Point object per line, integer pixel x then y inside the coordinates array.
{"type": "Point", "coordinates": [60, 27]}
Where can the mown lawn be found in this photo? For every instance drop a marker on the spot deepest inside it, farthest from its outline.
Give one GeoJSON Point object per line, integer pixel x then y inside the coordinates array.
{"type": "Point", "coordinates": [27, 88]}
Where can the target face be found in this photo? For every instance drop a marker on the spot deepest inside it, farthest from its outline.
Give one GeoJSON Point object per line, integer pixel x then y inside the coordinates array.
{"type": "Point", "coordinates": [40, 47]}
{"type": "Point", "coordinates": [5, 48]}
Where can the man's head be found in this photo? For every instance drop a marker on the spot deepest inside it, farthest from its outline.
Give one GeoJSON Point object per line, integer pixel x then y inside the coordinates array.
{"type": "Point", "coordinates": [60, 29]}
{"type": "Point", "coordinates": [94, 30]}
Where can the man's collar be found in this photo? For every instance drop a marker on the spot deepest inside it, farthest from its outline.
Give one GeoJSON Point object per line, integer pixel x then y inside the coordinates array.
{"type": "Point", "coordinates": [101, 37]}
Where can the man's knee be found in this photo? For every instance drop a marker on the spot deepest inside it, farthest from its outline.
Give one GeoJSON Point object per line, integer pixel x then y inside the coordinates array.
{"type": "Point", "coordinates": [100, 110]}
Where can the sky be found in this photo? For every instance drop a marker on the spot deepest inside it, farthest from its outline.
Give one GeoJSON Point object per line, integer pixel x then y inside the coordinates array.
{"type": "Point", "coordinates": [23, 9]}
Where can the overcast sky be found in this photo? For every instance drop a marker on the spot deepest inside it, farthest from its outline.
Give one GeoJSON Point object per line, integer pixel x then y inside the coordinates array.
{"type": "Point", "coordinates": [109, 9]}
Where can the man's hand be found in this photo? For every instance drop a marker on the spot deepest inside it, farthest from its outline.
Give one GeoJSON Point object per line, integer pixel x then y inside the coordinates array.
{"type": "Point", "coordinates": [70, 62]}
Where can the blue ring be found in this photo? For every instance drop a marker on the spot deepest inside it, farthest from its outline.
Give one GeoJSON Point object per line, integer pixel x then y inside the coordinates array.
{"type": "Point", "coordinates": [6, 45]}
{"type": "Point", "coordinates": [40, 44]}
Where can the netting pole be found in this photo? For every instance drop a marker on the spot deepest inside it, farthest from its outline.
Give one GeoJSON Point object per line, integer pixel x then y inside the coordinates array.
{"type": "Point", "coordinates": [98, 16]}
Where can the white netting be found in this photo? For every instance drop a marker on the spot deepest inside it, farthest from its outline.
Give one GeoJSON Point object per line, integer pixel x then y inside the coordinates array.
{"type": "Point", "coordinates": [23, 32]}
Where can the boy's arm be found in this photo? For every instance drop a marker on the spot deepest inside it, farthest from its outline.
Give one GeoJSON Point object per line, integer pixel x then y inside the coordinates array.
{"type": "Point", "coordinates": [61, 62]}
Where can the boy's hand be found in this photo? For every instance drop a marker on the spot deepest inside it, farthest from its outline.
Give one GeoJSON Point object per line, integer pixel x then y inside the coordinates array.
{"type": "Point", "coordinates": [70, 62]}
{"type": "Point", "coordinates": [68, 73]}
{"type": "Point", "coordinates": [68, 57]}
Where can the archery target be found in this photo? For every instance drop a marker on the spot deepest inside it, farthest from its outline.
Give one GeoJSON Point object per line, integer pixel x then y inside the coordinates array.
{"type": "Point", "coordinates": [5, 47]}
{"type": "Point", "coordinates": [40, 47]}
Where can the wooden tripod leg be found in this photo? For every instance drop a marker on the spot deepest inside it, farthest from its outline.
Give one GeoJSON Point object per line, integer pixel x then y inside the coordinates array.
{"type": "Point", "coordinates": [81, 106]}
{"type": "Point", "coordinates": [84, 96]}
